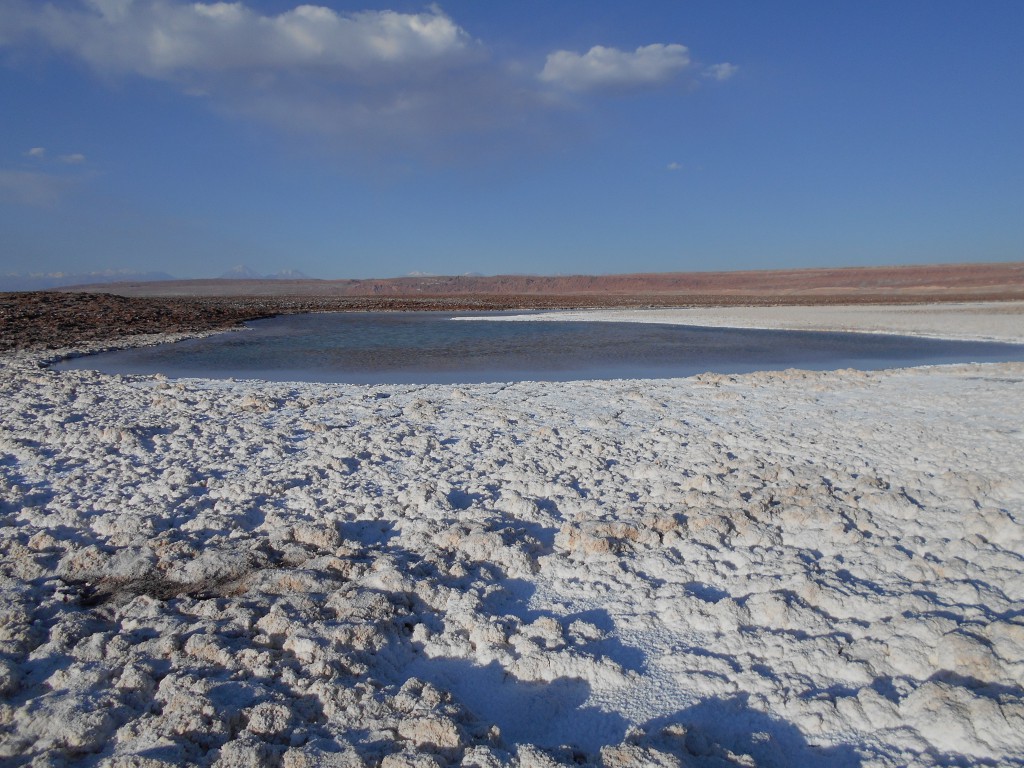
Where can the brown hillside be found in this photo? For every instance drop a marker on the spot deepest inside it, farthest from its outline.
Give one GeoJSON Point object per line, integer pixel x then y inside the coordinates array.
{"type": "Point", "coordinates": [931, 282]}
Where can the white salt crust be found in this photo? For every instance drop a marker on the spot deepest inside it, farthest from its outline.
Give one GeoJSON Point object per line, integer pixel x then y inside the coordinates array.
{"type": "Point", "coordinates": [775, 569]}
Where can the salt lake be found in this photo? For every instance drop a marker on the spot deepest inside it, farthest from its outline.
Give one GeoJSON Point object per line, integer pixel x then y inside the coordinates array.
{"type": "Point", "coordinates": [434, 348]}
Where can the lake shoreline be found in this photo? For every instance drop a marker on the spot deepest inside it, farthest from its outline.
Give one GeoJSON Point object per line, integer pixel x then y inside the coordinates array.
{"type": "Point", "coordinates": [431, 347]}
{"type": "Point", "coordinates": [56, 319]}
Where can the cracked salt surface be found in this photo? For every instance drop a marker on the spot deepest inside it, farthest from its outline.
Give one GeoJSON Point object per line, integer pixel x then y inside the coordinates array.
{"type": "Point", "coordinates": [773, 569]}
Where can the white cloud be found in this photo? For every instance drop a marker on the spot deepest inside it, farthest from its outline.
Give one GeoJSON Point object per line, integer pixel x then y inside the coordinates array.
{"type": "Point", "coordinates": [363, 78]}
{"type": "Point", "coordinates": [171, 40]}
{"type": "Point", "coordinates": [39, 153]}
{"type": "Point", "coordinates": [367, 81]}
{"type": "Point", "coordinates": [602, 67]}
{"type": "Point", "coordinates": [720, 72]}
{"type": "Point", "coordinates": [673, 166]}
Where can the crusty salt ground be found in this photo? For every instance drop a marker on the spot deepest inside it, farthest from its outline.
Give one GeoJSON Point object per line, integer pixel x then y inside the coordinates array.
{"type": "Point", "coordinates": [774, 569]}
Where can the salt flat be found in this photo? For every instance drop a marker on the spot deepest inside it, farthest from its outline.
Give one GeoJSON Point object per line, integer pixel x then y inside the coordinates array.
{"type": "Point", "coordinates": [774, 569]}
{"type": "Point", "coordinates": [975, 321]}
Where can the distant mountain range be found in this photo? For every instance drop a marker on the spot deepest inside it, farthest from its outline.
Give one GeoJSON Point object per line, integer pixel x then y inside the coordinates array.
{"type": "Point", "coordinates": [922, 282]}
{"type": "Point", "coordinates": [244, 272]}
{"type": "Point", "coordinates": [41, 281]}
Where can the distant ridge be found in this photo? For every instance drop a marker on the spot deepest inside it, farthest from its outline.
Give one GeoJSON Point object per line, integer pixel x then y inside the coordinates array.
{"type": "Point", "coordinates": [42, 281]}
{"type": "Point", "coordinates": [244, 272]}
{"type": "Point", "coordinates": [241, 272]}
{"type": "Point", "coordinates": [922, 282]}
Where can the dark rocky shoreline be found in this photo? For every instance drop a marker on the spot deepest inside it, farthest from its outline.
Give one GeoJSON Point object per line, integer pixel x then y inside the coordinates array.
{"type": "Point", "coordinates": [54, 319]}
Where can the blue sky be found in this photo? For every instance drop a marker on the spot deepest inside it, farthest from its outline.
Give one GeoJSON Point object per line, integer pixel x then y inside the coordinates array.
{"type": "Point", "coordinates": [583, 136]}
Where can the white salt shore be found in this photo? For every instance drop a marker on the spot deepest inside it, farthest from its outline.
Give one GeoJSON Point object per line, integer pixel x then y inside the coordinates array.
{"type": "Point", "coordinates": [973, 321]}
{"type": "Point", "coordinates": [773, 569]}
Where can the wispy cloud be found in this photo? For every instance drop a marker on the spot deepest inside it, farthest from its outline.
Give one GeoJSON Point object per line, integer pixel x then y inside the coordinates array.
{"type": "Point", "coordinates": [720, 72]}
{"type": "Point", "coordinates": [40, 153]}
{"type": "Point", "coordinates": [602, 67]}
{"type": "Point", "coordinates": [45, 183]}
{"type": "Point", "coordinates": [674, 166]}
{"type": "Point", "coordinates": [30, 188]}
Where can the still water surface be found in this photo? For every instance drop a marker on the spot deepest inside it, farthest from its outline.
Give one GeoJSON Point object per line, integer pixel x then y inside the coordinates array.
{"type": "Point", "coordinates": [428, 347]}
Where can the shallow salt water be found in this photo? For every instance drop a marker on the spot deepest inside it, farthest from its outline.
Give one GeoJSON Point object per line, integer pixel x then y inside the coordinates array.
{"type": "Point", "coordinates": [430, 348]}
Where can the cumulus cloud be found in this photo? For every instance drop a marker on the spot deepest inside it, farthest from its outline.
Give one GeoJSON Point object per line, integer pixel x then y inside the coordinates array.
{"type": "Point", "coordinates": [76, 158]}
{"type": "Point", "coordinates": [674, 166]}
{"type": "Point", "coordinates": [355, 76]}
{"type": "Point", "coordinates": [36, 152]}
{"type": "Point", "coordinates": [172, 40]}
{"type": "Point", "coordinates": [602, 67]}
